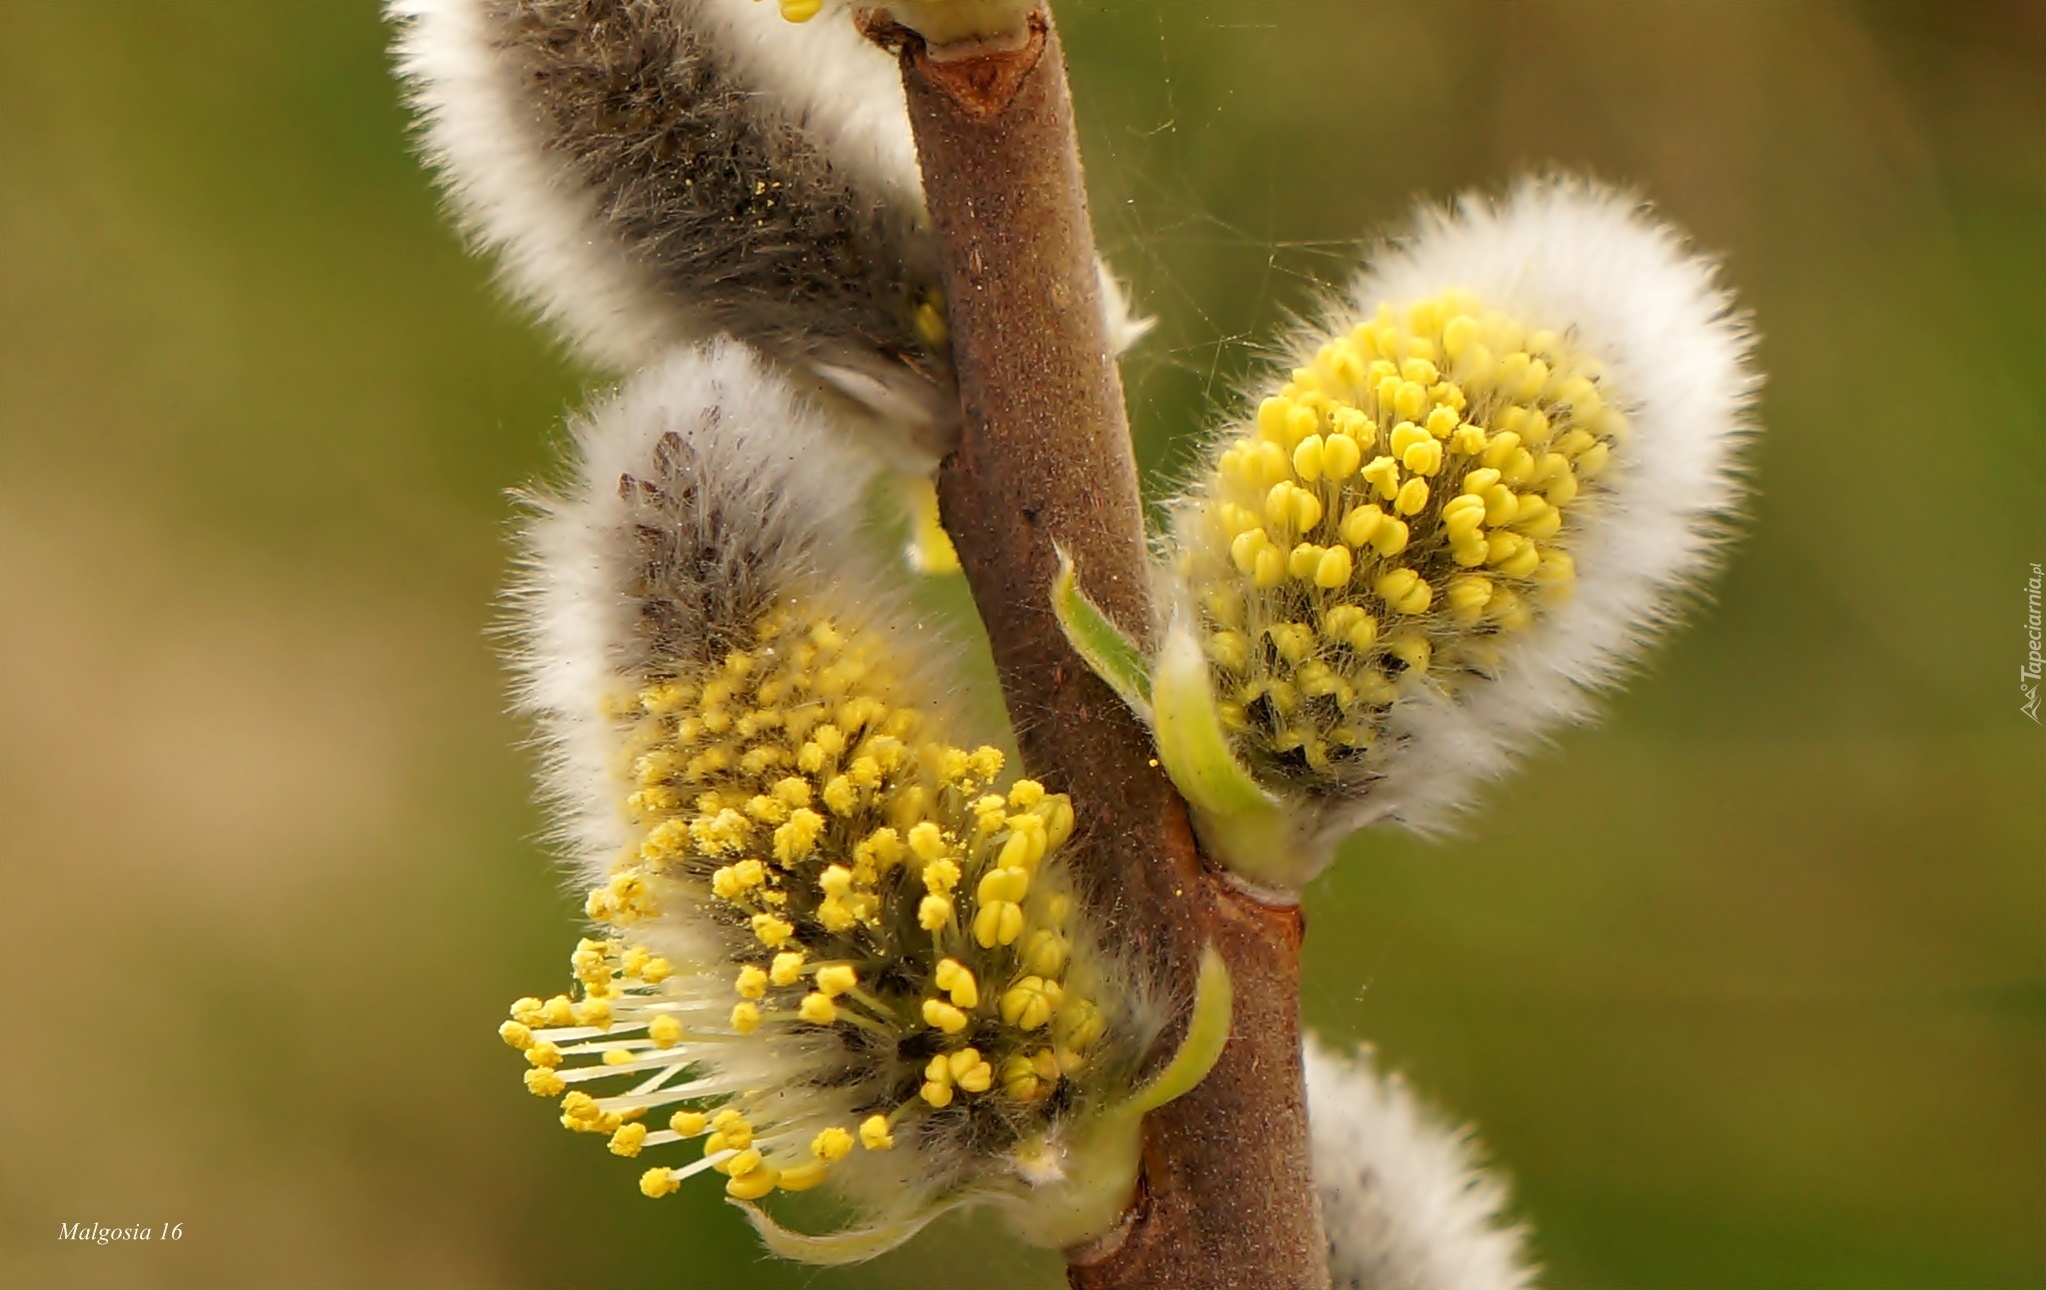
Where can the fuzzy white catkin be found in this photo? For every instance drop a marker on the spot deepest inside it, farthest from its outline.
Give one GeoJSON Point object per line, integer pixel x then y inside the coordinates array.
{"type": "Point", "coordinates": [1574, 256]}
{"type": "Point", "coordinates": [653, 172]}
{"type": "Point", "coordinates": [650, 173]}
{"type": "Point", "coordinates": [1370, 668]}
{"type": "Point", "coordinates": [1403, 1198]}
{"type": "Point", "coordinates": [580, 613]}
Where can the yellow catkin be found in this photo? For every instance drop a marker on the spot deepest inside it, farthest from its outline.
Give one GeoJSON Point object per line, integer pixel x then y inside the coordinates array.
{"type": "Point", "coordinates": [1405, 501]}
{"type": "Point", "coordinates": [868, 878]}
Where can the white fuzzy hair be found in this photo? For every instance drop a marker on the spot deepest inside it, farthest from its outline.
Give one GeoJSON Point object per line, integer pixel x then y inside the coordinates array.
{"type": "Point", "coordinates": [626, 253]}
{"type": "Point", "coordinates": [776, 509]}
{"type": "Point", "coordinates": [617, 287]}
{"type": "Point", "coordinates": [1594, 265]}
{"type": "Point", "coordinates": [1403, 1198]}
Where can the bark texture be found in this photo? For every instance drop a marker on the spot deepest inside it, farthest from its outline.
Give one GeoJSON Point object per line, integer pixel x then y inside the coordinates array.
{"type": "Point", "coordinates": [1226, 1197]}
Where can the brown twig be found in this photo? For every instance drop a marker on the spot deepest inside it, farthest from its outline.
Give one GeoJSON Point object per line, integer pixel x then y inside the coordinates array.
{"type": "Point", "coordinates": [1044, 461]}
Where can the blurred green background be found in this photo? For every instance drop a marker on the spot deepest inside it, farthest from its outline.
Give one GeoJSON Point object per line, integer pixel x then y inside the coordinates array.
{"type": "Point", "coordinates": [1745, 988]}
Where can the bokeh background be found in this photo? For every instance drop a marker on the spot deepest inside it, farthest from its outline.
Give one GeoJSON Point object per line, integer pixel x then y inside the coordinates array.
{"type": "Point", "coordinates": [1745, 988]}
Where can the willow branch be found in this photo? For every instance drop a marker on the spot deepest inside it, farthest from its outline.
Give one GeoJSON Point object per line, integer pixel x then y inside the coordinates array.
{"type": "Point", "coordinates": [1044, 463]}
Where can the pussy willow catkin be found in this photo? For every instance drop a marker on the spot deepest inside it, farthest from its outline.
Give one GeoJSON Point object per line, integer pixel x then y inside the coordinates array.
{"type": "Point", "coordinates": [1485, 482]}
{"type": "Point", "coordinates": [833, 940]}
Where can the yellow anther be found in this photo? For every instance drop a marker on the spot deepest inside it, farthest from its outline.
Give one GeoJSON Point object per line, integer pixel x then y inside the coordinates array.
{"type": "Point", "coordinates": [1391, 537]}
{"type": "Point", "coordinates": [997, 923]}
{"type": "Point", "coordinates": [1467, 595]}
{"type": "Point", "coordinates": [1293, 641]}
{"type": "Point", "coordinates": [1229, 650]}
{"type": "Point", "coordinates": [787, 968]}
{"type": "Point", "coordinates": [1341, 454]}
{"type": "Point", "coordinates": [1423, 458]}
{"type": "Point", "coordinates": [1420, 371]}
{"type": "Point", "coordinates": [665, 1031]}
{"type": "Point", "coordinates": [1413, 496]}
{"type": "Point", "coordinates": [970, 1072]}
{"type": "Point", "coordinates": [1500, 450]}
{"type": "Point", "coordinates": [527, 1011]}
{"type": "Point", "coordinates": [1270, 569]}
{"type": "Point", "coordinates": [593, 1012]}
{"type": "Point", "coordinates": [1404, 591]}
{"type": "Point", "coordinates": [1045, 953]}
{"type": "Point", "coordinates": [772, 931]}
{"type": "Point", "coordinates": [957, 980]}
{"type": "Point", "coordinates": [802, 1177]}
{"type": "Point", "coordinates": [840, 795]}
{"type": "Point", "coordinates": [796, 839]}
{"type": "Point", "coordinates": [746, 1017]}
{"type": "Point", "coordinates": [1593, 460]}
{"type": "Point", "coordinates": [1501, 504]}
{"type": "Point", "coordinates": [1411, 648]}
{"type": "Point", "coordinates": [927, 842]}
{"type": "Point", "coordinates": [627, 1141]}
{"type": "Point", "coordinates": [836, 979]}
{"type": "Point", "coordinates": [1350, 625]}
{"type": "Point", "coordinates": [940, 876]}
{"type": "Point", "coordinates": [656, 1183]}
{"type": "Point", "coordinates": [558, 1011]}
{"type": "Point", "coordinates": [734, 880]}
{"type": "Point", "coordinates": [1308, 458]}
{"type": "Point", "coordinates": [1333, 569]}
{"type": "Point", "coordinates": [940, 1015]}
{"type": "Point", "coordinates": [792, 791]}
{"type": "Point", "coordinates": [1384, 475]}
{"type": "Point", "coordinates": [1288, 505]}
{"type": "Point", "coordinates": [1025, 793]}
{"type": "Point", "coordinates": [656, 971]}
{"type": "Point", "coordinates": [874, 1134]}
{"type": "Point", "coordinates": [761, 1179]}
{"type": "Point", "coordinates": [1411, 400]}
{"type": "Point", "coordinates": [1360, 524]}
{"type": "Point", "coordinates": [1025, 846]}
{"type": "Point", "coordinates": [752, 983]}
{"type": "Point", "coordinates": [517, 1034]}
{"type": "Point", "coordinates": [837, 915]}
{"type": "Point", "coordinates": [1303, 559]}
{"type": "Point", "coordinates": [690, 1124]}
{"type": "Point", "coordinates": [1457, 335]}
{"type": "Point", "coordinates": [1057, 814]}
{"type": "Point", "coordinates": [542, 1081]}
{"type": "Point", "coordinates": [817, 1009]}
{"type": "Point", "coordinates": [1271, 416]}
{"type": "Point", "coordinates": [800, 10]}
{"type": "Point", "coordinates": [836, 880]}
{"type": "Point", "coordinates": [1476, 482]}
{"type": "Point", "coordinates": [1245, 548]}
{"type": "Point", "coordinates": [1442, 422]}
{"type": "Point", "coordinates": [1537, 518]}
{"type": "Point", "coordinates": [1463, 514]}
{"type": "Point", "coordinates": [1407, 435]}
{"type": "Point", "coordinates": [933, 912]}
{"type": "Point", "coordinates": [985, 762]}
{"type": "Point", "coordinates": [1556, 571]}
{"type": "Point", "coordinates": [938, 1095]}
{"type": "Point", "coordinates": [1030, 1003]}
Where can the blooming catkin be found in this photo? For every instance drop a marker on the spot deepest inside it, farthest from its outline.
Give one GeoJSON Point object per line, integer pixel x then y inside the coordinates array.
{"type": "Point", "coordinates": [831, 941]}
{"type": "Point", "coordinates": [1482, 485]}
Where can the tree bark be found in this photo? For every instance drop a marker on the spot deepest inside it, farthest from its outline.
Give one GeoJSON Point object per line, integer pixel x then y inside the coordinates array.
{"type": "Point", "coordinates": [1225, 1198]}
